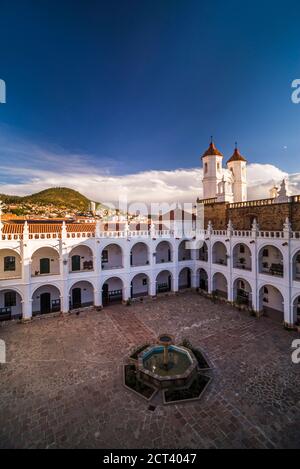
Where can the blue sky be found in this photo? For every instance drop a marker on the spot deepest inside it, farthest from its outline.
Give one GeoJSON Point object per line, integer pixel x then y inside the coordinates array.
{"type": "Point", "coordinates": [126, 86]}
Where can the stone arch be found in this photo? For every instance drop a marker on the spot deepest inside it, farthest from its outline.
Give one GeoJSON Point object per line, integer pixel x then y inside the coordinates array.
{"type": "Point", "coordinates": [271, 302]}
{"type": "Point", "coordinates": [296, 309]}
{"type": "Point", "coordinates": [164, 281]}
{"type": "Point", "coordinates": [270, 260]}
{"type": "Point", "coordinates": [164, 252]}
{"type": "Point", "coordinates": [139, 285]}
{"type": "Point", "coordinates": [139, 254]}
{"type": "Point", "coordinates": [220, 285]}
{"type": "Point", "coordinates": [219, 253]}
{"type": "Point", "coordinates": [184, 254]}
{"type": "Point", "coordinates": [242, 257]}
{"type": "Point", "coordinates": [185, 278]}
{"type": "Point", "coordinates": [112, 256]}
{"type": "Point", "coordinates": [296, 266]}
{"type": "Point", "coordinates": [46, 299]}
{"type": "Point", "coordinates": [81, 294]}
{"type": "Point", "coordinates": [112, 291]}
{"type": "Point", "coordinates": [11, 301]}
{"type": "Point", "coordinates": [81, 258]}
{"type": "Point", "coordinates": [10, 264]}
{"type": "Point", "coordinates": [242, 292]}
{"type": "Point", "coordinates": [45, 261]}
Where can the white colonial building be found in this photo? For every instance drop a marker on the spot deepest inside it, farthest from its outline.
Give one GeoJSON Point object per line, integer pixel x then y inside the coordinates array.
{"type": "Point", "coordinates": [49, 268]}
{"type": "Point", "coordinates": [60, 267]}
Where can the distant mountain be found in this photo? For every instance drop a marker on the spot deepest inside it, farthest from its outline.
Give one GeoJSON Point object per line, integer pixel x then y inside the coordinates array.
{"type": "Point", "coordinates": [60, 197]}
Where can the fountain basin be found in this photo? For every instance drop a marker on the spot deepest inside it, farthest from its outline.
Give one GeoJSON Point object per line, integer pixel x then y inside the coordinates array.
{"type": "Point", "coordinates": [181, 367]}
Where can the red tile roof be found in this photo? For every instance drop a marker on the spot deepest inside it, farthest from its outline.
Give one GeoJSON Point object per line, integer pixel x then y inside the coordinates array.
{"type": "Point", "coordinates": [212, 150]}
{"type": "Point", "coordinates": [236, 157]}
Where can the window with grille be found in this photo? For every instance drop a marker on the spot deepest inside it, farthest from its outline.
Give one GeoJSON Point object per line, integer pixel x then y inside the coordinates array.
{"type": "Point", "coordinates": [9, 263]}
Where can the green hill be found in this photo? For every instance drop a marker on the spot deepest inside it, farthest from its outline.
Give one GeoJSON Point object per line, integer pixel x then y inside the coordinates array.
{"type": "Point", "coordinates": [60, 197]}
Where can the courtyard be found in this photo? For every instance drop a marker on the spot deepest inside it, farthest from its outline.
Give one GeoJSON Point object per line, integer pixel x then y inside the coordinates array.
{"type": "Point", "coordinates": [62, 384]}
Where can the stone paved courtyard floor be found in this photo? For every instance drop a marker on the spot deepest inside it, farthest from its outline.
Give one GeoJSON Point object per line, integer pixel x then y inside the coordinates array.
{"type": "Point", "coordinates": [62, 385]}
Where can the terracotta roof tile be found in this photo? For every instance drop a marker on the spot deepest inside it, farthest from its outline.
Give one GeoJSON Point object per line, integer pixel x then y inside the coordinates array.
{"type": "Point", "coordinates": [236, 157]}
{"type": "Point", "coordinates": [212, 150]}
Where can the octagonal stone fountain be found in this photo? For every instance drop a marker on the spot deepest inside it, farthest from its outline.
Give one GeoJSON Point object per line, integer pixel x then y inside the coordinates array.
{"type": "Point", "coordinates": [165, 364]}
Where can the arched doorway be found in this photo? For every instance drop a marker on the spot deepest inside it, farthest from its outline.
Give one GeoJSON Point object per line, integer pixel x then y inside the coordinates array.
{"type": "Point", "coordinates": [10, 305]}
{"type": "Point", "coordinates": [139, 286]}
{"type": "Point", "coordinates": [46, 299]}
{"type": "Point", "coordinates": [164, 282]}
{"type": "Point", "coordinates": [271, 302]}
{"type": "Point", "coordinates": [242, 292]}
{"type": "Point", "coordinates": [220, 286]}
{"type": "Point", "coordinates": [184, 279]}
{"type": "Point", "coordinates": [296, 310]}
{"type": "Point", "coordinates": [112, 291]}
{"type": "Point", "coordinates": [81, 295]}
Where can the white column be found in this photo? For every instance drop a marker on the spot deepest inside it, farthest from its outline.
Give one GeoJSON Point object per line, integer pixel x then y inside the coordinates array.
{"type": "Point", "coordinates": [64, 270]}
{"type": "Point", "coordinates": [194, 280]}
{"type": "Point", "coordinates": [176, 267]}
{"type": "Point", "coordinates": [26, 275]}
{"type": "Point", "coordinates": [229, 260]}
{"type": "Point", "coordinates": [288, 273]}
{"type": "Point", "coordinates": [126, 293]}
{"type": "Point", "coordinates": [97, 297]}
{"type": "Point", "coordinates": [152, 285]}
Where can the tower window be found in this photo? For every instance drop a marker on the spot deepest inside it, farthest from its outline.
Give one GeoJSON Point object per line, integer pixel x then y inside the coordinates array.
{"type": "Point", "coordinates": [205, 168]}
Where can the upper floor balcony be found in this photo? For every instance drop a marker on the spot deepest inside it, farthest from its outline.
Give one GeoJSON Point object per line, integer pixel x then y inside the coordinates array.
{"type": "Point", "coordinates": [10, 264]}
{"type": "Point", "coordinates": [242, 257]}
{"type": "Point", "coordinates": [219, 254]}
{"type": "Point", "coordinates": [270, 261]}
{"type": "Point", "coordinates": [45, 261]}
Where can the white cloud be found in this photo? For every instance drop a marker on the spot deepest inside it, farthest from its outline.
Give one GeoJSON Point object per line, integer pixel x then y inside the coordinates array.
{"type": "Point", "coordinates": [33, 169]}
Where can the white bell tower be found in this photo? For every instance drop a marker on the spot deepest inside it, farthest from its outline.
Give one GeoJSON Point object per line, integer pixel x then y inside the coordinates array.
{"type": "Point", "coordinates": [212, 171]}
{"type": "Point", "coordinates": [237, 164]}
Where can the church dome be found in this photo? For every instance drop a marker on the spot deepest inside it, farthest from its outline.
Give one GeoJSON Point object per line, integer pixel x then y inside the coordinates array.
{"type": "Point", "coordinates": [212, 150]}
{"type": "Point", "coordinates": [236, 157]}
